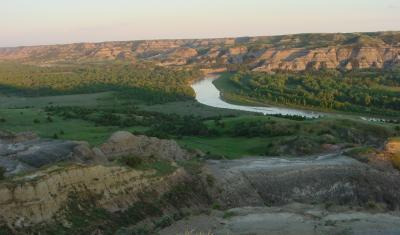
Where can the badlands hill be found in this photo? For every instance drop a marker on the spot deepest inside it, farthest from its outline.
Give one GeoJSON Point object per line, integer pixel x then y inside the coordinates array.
{"type": "Point", "coordinates": [287, 52]}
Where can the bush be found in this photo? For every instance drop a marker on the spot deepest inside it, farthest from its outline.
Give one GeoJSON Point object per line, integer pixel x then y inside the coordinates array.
{"type": "Point", "coordinates": [216, 206]}
{"type": "Point", "coordinates": [164, 222]}
{"type": "Point", "coordinates": [132, 161]}
{"type": "Point", "coordinates": [228, 214]}
{"type": "Point", "coordinates": [211, 156]}
{"type": "Point", "coordinates": [210, 180]}
{"type": "Point", "coordinates": [49, 119]}
{"type": "Point", "coordinates": [2, 173]}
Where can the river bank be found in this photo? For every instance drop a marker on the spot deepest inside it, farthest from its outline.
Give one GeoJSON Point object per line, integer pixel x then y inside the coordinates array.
{"type": "Point", "coordinates": [208, 94]}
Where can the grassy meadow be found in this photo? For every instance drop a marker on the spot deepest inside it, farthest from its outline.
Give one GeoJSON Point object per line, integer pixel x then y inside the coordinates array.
{"type": "Point", "coordinates": [103, 106]}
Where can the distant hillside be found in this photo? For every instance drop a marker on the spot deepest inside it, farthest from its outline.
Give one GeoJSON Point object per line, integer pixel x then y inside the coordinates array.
{"type": "Point", "coordinates": [287, 52]}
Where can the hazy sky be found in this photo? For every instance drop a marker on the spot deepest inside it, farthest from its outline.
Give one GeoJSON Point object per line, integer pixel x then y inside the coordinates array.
{"type": "Point", "coordinates": [33, 22]}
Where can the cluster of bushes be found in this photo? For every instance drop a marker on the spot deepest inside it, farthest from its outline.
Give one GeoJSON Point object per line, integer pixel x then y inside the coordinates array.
{"type": "Point", "coordinates": [2, 173]}
{"type": "Point", "coordinates": [262, 128]}
{"type": "Point", "coordinates": [160, 125]}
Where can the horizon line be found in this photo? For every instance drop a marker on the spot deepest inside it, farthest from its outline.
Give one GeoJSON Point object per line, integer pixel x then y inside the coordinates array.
{"type": "Point", "coordinates": [199, 38]}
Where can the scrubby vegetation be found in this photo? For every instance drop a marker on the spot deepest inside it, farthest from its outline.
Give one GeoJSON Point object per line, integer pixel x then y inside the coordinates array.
{"type": "Point", "coordinates": [161, 167]}
{"type": "Point", "coordinates": [158, 211]}
{"type": "Point", "coordinates": [2, 173]}
{"type": "Point", "coordinates": [158, 124]}
{"type": "Point", "coordinates": [369, 91]}
{"type": "Point", "coordinates": [271, 136]}
{"type": "Point", "coordinates": [132, 161]}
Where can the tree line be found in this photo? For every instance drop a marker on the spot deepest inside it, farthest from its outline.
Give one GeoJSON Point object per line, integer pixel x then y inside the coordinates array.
{"type": "Point", "coordinates": [373, 91]}
{"type": "Point", "coordinates": [145, 81]}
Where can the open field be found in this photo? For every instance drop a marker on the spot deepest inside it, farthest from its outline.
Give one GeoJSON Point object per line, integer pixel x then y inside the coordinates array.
{"type": "Point", "coordinates": [190, 108]}
{"type": "Point", "coordinates": [62, 100]}
{"type": "Point", "coordinates": [232, 134]}
{"type": "Point", "coordinates": [36, 120]}
{"type": "Point", "coordinates": [271, 136]}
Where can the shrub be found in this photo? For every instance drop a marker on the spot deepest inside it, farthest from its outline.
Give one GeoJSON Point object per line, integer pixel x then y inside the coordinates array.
{"type": "Point", "coordinates": [164, 222]}
{"type": "Point", "coordinates": [216, 206]}
{"type": "Point", "coordinates": [49, 119]}
{"type": "Point", "coordinates": [132, 161]}
{"type": "Point", "coordinates": [228, 214]}
{"type": "Point", "coordinates": [211, 156]}
{"type": "Point", "coordinates": [2, 173]}
{"type": "Point", "coordinates": [210, 180]}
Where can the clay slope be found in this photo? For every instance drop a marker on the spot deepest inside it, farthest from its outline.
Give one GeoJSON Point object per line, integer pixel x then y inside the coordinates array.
{"type": "Point", "coordinates": [289, 52]}
{"type": "Point", "coordinates": [327, 179]}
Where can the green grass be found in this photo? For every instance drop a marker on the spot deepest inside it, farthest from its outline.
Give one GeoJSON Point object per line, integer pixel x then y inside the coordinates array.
{"type": "Point", "coordinates": [224, 84]}
{"type": "Point", "coordinates": [63, 100]}
{"type": "Point", "coordinates": [190, 108]}
{"type": "Point", "coordinates": [161, 167]}
{"type": "Point", "coordinates": [20, 120]}
{"type": "Point", "coordinates": [225, 143]}
{"type": "Point", "coordinates": [230, 147]}
{"type": "Point", "coordinates": [303, 137]}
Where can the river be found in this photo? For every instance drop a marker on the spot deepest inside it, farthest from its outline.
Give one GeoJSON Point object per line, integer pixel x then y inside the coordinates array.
{"type": "Point", "coordinates": [208, 94]}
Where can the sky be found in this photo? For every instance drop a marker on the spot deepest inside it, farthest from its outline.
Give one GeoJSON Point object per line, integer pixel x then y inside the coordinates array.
{"type": "Point", "coordinates": [39, 22]}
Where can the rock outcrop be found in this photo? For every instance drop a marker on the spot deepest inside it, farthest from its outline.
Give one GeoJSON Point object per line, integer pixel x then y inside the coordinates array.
{"type": "Point", "coordinates": [288, 52]}
{"type": "Point", "coordinates": [393, 147]}
{"type": "Point", "coordinates": [123, 143]}
{"type": "Point", "coordinates": [24, 152]}
{"type": "Point", "coordinates": [37, 190]}
{"type": "Point", "coordinates": [328, 179]}
{"type": "Point", "coordinates": [10, 138]}
{"type": "Point", "coordinates": [42, 196]}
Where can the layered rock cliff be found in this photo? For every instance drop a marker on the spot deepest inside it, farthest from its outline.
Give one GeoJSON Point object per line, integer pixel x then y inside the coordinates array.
{"type": "Point", "coordinates": [42, 196]}
{"type": "Point", "coordinates": [46, 177]}
{"type": "Point", "coordinates": [289, 52]}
